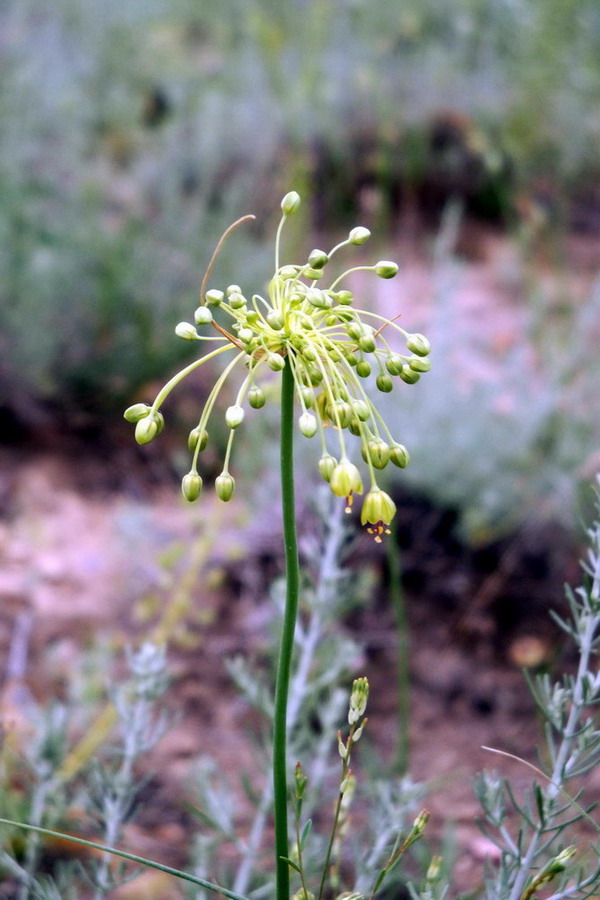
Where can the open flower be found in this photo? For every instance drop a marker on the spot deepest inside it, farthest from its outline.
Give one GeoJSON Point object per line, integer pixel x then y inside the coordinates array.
{"type": "Point", "coordinates": [332, 346]}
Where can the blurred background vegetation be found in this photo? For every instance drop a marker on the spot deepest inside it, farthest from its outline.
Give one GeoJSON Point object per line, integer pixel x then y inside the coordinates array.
{"type": "Point", "coordinates": [132, 132]}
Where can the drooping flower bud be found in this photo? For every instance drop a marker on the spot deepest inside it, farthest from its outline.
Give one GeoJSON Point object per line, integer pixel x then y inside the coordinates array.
{"type": "Point", "coordinates": [384, 383]}
{"type": "Point", "coordinates": [234, 416]}
{"type": "Point", "coordinates": [146, 429]}
{"type": "Point", "coordinates": [418, 343]}
{"type": "Point", "coordinates": [136, 412]}
{"type": "Point", "coordinates": [256, 397]}
{"type": "Point", "coordinates": [214, 297]}
{"type": "Point", "coordinates": [224, 486]}
{"type": "Point", "coordinates": [191, 486]}
{"type": "Point", "coordinates": [327, 464]}
{"type": "Point", "coordinates": [408, 375]}
{"type": "Point", "coordinates": [198, 437]}
{"type": "Point", "coordinates": [418, 364]}
{"type": "Point", "coordinates": [308, 424]}
{"type": "Point", "coordinates": [345, 480]}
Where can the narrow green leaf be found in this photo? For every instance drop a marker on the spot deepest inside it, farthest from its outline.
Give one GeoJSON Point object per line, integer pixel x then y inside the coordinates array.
{"type": "Point", "coordinates": [305, 833]}
{"type": "Point", "coordinates": [177, 873]}
{"type": "Point", "coordinates": [291, 863]}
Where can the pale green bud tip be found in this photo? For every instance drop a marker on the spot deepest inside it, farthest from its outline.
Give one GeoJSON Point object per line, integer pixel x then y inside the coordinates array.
{"type": "Point", "coordinates": [275, 320]}
{"type": "Point", "coordinates": [198, 437]}
{"type": "Point", "coordinates": [234, 416]}
{"type": "Point", "coordinates": [358, 699]}
{"type": "Point", "coordinates": [317, 259]}
{"type": "Point", "coordinates": [418, 364]}
{"type": "Point", "coordinates": [399, 455]}
{"type": "Point", "coordinates": [256, 397]}
{"type": "Point", "coordinates": [203, 316]}
{"type": "Point", "coordinates": [378, 510]}
{"type": "Point", "coordinates": [290, 203]}
{"type": "Point", "coordinates": [186, 331]}
{"type": "Point", "coordinates": [418, 343]}
{"type": "Point", "coordinates": [191, 486]}
{"type": "Point", "coordinates": [224, 486]}
{"type": "Point", "coordinates": [345, 481]}
{"type": "Point", "coordinates": [214, 297]}
{"type": "Point", "coordinates": [386, 269]}
{"type": "Point", "coordinates": [307, 424]}
{"type": "Point", "coordinates": [421, 821]}
{"type": "Point", "coordinates": [359, 235]}
{"type": "Point", "coordinates": [327, 464]}
{"type": "Point", "coordinates": [136, 412]}
{"type": "Point", "coordinates": [148, 427]}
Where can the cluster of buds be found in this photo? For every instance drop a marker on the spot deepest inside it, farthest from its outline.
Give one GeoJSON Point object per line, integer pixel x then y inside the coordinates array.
{"type": "Point", "coordinates": [332, 347]}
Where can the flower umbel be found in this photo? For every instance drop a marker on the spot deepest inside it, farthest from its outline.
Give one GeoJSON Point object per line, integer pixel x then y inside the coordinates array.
{"type": "Point", "coordinates": [332, 347]}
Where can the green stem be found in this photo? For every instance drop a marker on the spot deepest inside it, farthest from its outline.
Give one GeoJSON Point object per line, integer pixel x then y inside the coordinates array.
{"type": "Point", "coordinates": [292, 573]}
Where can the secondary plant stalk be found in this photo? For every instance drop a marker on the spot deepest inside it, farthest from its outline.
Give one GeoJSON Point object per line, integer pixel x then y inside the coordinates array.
{"type": "Point", "coordinates": [292, 573]}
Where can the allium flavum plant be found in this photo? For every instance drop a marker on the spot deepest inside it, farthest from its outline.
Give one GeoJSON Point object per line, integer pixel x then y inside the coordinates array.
{"type": "Point", "coordinates": [331, 346]}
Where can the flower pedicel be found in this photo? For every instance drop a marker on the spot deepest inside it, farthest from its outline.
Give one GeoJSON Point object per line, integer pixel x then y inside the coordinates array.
{"type": "Point", "coordinates": [332, 347]}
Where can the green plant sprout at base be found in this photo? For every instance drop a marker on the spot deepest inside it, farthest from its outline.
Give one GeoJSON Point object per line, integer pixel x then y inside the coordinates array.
{"type": "Point", "coordinates": [331, 347]}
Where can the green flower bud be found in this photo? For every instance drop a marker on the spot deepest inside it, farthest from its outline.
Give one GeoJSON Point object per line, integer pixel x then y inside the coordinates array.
{"type": "Point", "coordinates": [351, 358]}
{"type": "Point", "coordinates": [344, 413]}
{"type": "Point", "coordinates": [345, 298]}
{"type": "Point", "coordinates": [363, 368]}
{"type": "Point", "coordinates": [146, 429]}
{"type": "Point", "coordinates": [290, 203]}
{"type": "Point", "coordinates": [315, 376]}
{"type": "Point", "coordinates": [203, 316]}
{"type": "Point", "coordinates": [418, 364]}
{"type": "Point", "coordinates": [394, 364]}
{"type": "Point", "coordinates": [399, 455]}
{"type": "Point", "coordinates": [386, 269]}
{"type": "Point", "coordinates": [214, 298]}
{"type": "Point", "coordinates": [327, 464]}
{"type": "Point", "coordinates": [308, 396]}
{"type": "Point", "coordinates": [234, 416]}
{"type": "Point", "coordinates": [367, 343]}
{"type": "Point", "coordinates": [198, 437]}
{"type": "Point", "coordinates": [317, 259]}
{"type": "Point", "coordinates": [408, 375]}
{"type": "Point", "coordinates": [345, 479]}
{"type": "Point", "coordinates": [191, 486]}
{"type": "Point", "coordinates": [319, 299]}
{"type": "Point", "coordinates": [186, 331]}
{"type": "Point", "coordinates": [309, 353]}
{"type": "Point", "coordinates": [224, 486]}
{"type": "Point", "coordinates": [275, 362]}
{"type": "Point", "coordinates": [361, 410]}
{"type": "Point", "coordinates": [359, 235]}
{"type": "Point", "coordinates": [256, 397]}
{"type": "Point", "coordinates": [354, 427]}
{"type": "Point", "coordinates": [275, 320]}
{"type": "Point", "coordinates": [245, 335]}
{"type": "Point", "coordinates": [233, 289]}
{"type": "Point", "coordinates": [286, 272]}
{"type": "Point", "coordinates": [252, 317]}
{"type": "Point", "coordinates": [384, 383]}
{"type": "Point", "coordinates": [418, 343]}
{"type": "Point", "coordinates": [237, 301]}
{"type": "Point", "coordinates": [355, 330]}
{"type": "Point", "coordinates": [378, 510]}
{"type": "Point", "coordinates": [376, 451]}
{"type": "Point", "coordinates": [308, 424]}
{"type": "Point", "coordinates": [136, 412]}
{"type": "Point", "coordinates": [358, 697]}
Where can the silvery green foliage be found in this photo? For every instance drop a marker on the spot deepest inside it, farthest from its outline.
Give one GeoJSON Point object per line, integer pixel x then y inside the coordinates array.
{"type": "Point", "coordinates": [114, 786]}
{"type": "Point", "coordinates": [538, 845]}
